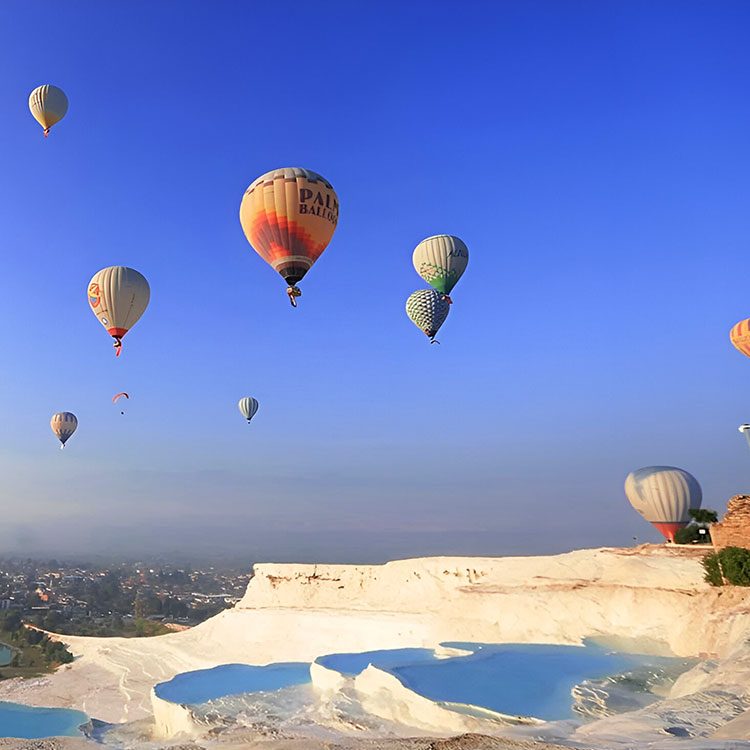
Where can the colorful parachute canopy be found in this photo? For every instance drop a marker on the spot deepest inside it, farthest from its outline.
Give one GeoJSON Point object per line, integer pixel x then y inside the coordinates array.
{"type": "Point", "coordinates": [289, 216]}
{"type": "Point", "coordinates": [118, 296]}
{"type": "Point", "coordinates": [663, 495]}
{"type": "Point", "coordinates": [48, 105]}
{"type": "Point", "coordinates": [63, 424]}
{"type": "Point", "coordinates": [428, 310]}
{"type": "Point", "coordinates": [118, 396]}
{"type": "Point", "coordinates": [441, 261]}
{"type": "Point", "coordinates": [248, 407]}
{"type": "Point", "coordinates": [740, 337]}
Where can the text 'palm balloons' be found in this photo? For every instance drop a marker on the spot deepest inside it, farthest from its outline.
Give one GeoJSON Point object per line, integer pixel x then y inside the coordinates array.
{"type": "Point", "coordinates": [428, 310]}
{"type": "Point", "coordinates": [118, 296]}
{"type": "Point", "coordinates": [664, 495]}
{"type": "Point", "coordinates": [48, 105]}
{"type": "Point", "coordinates": [63, 424]}
{"type": "Point", "coordinates": [248, 407]}
{"type": "Point", "coordinates": [289, 216]}
{"type": "Point", "coordinates": [441, 261]}
{"type": "Point", "coordinates": [740, 337]}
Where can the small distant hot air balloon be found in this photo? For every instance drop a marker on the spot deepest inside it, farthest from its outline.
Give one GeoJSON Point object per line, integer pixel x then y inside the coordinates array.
{"type": "Point", "coordinates": [289, 216]}
{"type": "Point", "coordinates": [663, 495]}
{"type": "Point", "coordinates": [428, 310]}
{"type": "Point", "coordinates": [441, 261]}
{"type": "Point", "coordinates": [63, 424]}
{"type": "Point", "coordinates": [118, 396]}
{"type": "Point", "coordinates": [248, 407]}
{"type": "Point", "coordinates": [740, 337]}
{"type": "Point", "coordinates": [118, 296]}
{"type": "Point", "coordinates": [48, 105]}
{"type": "Point", "coordinates": [745, 430]}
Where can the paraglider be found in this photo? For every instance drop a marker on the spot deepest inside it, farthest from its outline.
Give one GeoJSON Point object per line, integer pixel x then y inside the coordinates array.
{"type": "Point", "coordinates": [441, 261]}
{"type": "Point", "coordinates": [63, 425]}
{"type": "Point", "coordinates": [740, 337]}
{"type": "Point", "coordinates": [289, 216]}
{"type": "Point", "coordinates": [428, 310]}
{"type": "Point", "coordinates": [118, 396]}
{"type": "Point", "coordinates": [248, 407]}
{"type": "Point", "coordinates": [48, 105]}
{"type": "Point", "coordinates": [118, 296]}
{"type": "Point", "coordinates": [664, 495]}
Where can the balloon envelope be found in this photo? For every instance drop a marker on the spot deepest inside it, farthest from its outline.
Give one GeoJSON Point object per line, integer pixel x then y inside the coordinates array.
{"type": "Point", "coordinates": [428, 310]}
{"type": "Point", "coordinates": [441, 261]}
{"type": "Point", "coordinates": [63, 424]}
{"type": "Point", "coordinates": [48, 105]}
{"type": "Point", "coordinates": [289, 216]}
{"type": "Point", "coordinates": [664, 495]}
{"type": "Point", "coordinates": [740, 337]}
{"type": "Point", "coordinates": [248, 407]}
{"type": "Point", "coordinates": [118, 296]}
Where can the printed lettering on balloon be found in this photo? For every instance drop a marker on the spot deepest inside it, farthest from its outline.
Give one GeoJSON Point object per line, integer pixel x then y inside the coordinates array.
{"type": "Point", "coordinates": [319, 203]}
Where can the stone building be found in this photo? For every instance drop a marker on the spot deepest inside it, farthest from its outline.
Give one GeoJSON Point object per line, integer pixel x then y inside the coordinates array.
{"type": "Point", "coordinates": [734, 529]}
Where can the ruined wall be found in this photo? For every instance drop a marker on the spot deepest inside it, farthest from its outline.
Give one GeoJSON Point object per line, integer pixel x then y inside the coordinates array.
{"type": "Point", "coordinates": [734, 528]}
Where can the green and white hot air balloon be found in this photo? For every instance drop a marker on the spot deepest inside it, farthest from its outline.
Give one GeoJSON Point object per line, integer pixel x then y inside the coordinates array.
{"type": "Point", "coordinates": [248, 407]}
{"type": "Point", "coordinates": [441, 261]}
{"type": "Point", "coordinates": [428, 310]}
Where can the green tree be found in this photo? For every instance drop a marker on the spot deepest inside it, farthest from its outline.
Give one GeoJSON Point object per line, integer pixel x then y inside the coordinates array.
{"type": "Point", "coordinates": [692, 535]}
{"type": "Point", "coordinates": [703, 515]}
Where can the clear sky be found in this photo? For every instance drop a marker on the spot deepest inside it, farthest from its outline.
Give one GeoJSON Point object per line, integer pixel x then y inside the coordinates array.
{"type": "Point", "coordinates": [594, 157]}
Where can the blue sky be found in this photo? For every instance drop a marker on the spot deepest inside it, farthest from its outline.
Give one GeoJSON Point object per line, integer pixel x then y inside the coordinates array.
{"type": "Point", "coordinates": [593, 156]}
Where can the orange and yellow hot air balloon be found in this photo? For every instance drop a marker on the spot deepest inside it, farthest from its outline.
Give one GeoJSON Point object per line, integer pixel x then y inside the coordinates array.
{"type": "Point", "coordinates": [740, 337]}
{"type": "Point", "coordinates": [289, 216]}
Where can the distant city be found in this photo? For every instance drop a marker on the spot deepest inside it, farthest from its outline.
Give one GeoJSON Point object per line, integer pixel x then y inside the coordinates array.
{"type": "Point", "coordinates": [127, 599]}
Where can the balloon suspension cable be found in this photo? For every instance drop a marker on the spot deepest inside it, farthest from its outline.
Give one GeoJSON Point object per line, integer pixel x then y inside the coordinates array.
{"type": "Point", "coordinates": [117, 345]}
{"type": "Point", "coordinates": [293, 292]}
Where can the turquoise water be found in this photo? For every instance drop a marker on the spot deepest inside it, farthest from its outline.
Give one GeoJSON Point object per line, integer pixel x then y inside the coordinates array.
{"type": "Point", "coordinates": [6, 655]}
{"type": "Point", "coordinates": [515, 679]}
{"type": "Point", "coordinates": [34, 723]}
{"type": "Point", "coordinates": [231, 679]}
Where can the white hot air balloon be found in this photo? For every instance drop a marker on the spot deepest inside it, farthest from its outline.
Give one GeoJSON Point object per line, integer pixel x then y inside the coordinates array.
{"type": "Point", "coordinates": [118, 296]}
{"type": "Point", "coordinates": [428, 310]}
{"type": "Point", "coordinates": [664, 495]}
{"type": "Point", "coordinates": [248, 407]}
{"type": "Point", "coordinates": [48, 105]}
{"type": "Point", "coordinates": [441, 261]}
{"type": "Point", "coordinates": [745, 430]}
{"type": "Point", "coordinates": [63, 424]}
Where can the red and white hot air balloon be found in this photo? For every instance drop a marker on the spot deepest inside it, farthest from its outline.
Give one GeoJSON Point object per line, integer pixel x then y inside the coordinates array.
{"type": "Point", "coordinates": [664, 495]}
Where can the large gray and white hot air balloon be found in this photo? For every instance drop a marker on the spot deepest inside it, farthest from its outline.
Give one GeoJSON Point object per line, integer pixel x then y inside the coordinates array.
{"type": "Point", "coordinates": [248, 407]}
{"type": "Point", "coordinates": [63, 424]}
{"type": "Point", "coordinates": [428, 310]}
{"type": "Point", "coordinates": [664, 495]}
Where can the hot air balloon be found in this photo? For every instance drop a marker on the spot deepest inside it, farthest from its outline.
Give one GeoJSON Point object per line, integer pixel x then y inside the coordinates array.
{"type": "Point", "coordinates": [745, 430]}
{"type": "Point", "coordinates": [63, 424]}
{"type": "Point", "coordinates": [248, 407]}
{"type": "Point", "coordinates": [118, 396]}
{"type": "Point", "coordinates": [118, 297]}
{"type": "Point", "coordinates": [428, 310]}
{"type": "Point", "coordinates": [289, 216]}
{"type": "Point", "coordinates": [663, 495]}
{"type": "Point", "coordinates": [441, 261]}
{"type": "Point", "coordinates": [48, 105]}
{"type": "Point", "coordinates": [740, 337]}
